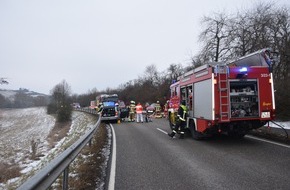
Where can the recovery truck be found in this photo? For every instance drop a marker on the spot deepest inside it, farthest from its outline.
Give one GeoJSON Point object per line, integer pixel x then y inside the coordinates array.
{"type": "Point", "coordinates": [231, 98]}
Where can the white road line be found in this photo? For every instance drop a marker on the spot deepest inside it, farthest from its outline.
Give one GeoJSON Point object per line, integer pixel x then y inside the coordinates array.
{"type": "Point", "coordinates": [162, 131]}
{"type": "Point", "coordinates": [268, 141]}
{"type": "Point", "coordinates": [113, 162]}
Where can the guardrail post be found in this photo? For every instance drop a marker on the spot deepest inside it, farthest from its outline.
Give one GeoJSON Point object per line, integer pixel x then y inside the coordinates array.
{"type": "Point", "coordinates": [65, 179]}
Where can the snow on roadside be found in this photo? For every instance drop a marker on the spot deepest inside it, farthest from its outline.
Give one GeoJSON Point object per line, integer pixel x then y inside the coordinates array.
{"type": "Point", "coordinates": [18, 127]}
{"type": "Point", "coordinates": [284, 124]}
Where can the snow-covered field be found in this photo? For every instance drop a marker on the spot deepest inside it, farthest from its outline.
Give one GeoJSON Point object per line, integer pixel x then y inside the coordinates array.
{"type": "Point", "coordinates": [19, 127]}
{"type": "Point", "coordinates": [285, 125]}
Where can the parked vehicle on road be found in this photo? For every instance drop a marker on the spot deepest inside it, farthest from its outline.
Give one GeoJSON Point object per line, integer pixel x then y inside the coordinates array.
{"type": "Point", "coordinates": [110, 107]}
{"type": "Point", "coordinates": [231, 98]}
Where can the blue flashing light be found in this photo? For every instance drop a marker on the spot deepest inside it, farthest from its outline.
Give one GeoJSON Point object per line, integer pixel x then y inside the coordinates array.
{"type": "Point", "coordinates": [109, 104]}
{"type": "Point", "coordinates": [243, 70]}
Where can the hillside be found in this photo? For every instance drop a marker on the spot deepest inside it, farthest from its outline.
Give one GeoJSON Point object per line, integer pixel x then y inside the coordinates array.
{"type": "Point", "coordinates": [26, 141]}
{"type": "Point", "coordinates": [10, 94]}
{"type": "Point", "coordinates": [22, 98]}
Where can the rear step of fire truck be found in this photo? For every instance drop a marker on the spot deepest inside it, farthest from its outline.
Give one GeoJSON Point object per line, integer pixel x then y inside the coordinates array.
{"type": "Point", "coordinates": [224, 94]}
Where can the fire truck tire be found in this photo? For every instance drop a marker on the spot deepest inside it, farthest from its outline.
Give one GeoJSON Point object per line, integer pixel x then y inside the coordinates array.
{"type": "Point", "coordinates": [195, 134]}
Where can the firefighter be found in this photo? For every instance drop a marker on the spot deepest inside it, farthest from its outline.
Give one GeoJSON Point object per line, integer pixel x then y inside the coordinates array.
{"type": "Point", "coordinates": [132, 110]}
{"type": "Point", "coordinates": [166, 109]}
{"type": "Point", "coordinates": [100, 107]}
{"type": "Point", "coordinates": [139, 111]}
{"type": "Point", "coordinates": [181, 120]}
{"type": "Point", "coordinates": [157, 110]}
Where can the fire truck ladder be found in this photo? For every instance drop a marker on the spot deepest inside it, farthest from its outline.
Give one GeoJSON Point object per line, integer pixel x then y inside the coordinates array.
{"type": "Point", "coordinates": [224, 93]}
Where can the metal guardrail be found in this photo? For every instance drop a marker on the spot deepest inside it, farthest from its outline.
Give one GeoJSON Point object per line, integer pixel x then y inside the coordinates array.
{"type": "Point", "coordinates": [48, 175]}
{"type": "Point", "coordinates": [87, 110]}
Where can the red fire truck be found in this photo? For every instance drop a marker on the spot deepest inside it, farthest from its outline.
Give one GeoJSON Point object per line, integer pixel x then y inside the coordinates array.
{"type": "Point", "coordinates": [231, 98]}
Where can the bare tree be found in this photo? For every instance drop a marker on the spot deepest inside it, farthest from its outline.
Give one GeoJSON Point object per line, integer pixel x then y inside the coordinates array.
{"type": "Point", "coordinates": [260, 21]}
{"type": "Point", "coordinates": [61, 92]}
{"type": "Point", "coordinates": [215, 37]}
{"type": "Point", "coordinates": [151, 75]}
{"type": "Point", "coordinates": [280, 34]}
{"type": "Point", "coordinates": [241, 36]}
{"type": "Point", "coordinates": [61, 101]}
{"type": "Point", "coordinates": [174, 71]}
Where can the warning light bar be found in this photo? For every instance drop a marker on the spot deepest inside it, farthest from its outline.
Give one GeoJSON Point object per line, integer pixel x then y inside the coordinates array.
{"type": "Point", "coordinates": [243, 73]}
{"type": "Point", "coordinates": [243, 70]}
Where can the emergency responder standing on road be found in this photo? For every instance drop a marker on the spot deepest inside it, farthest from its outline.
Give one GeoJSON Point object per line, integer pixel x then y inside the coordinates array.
{"type": "Point", "coordinates": [139, 111]}
{"type": "Point", "coordinates": [181, 120]}
{"type": "Point", "coordinates": [157, 110]}
{"type": "Point", "coordinates": [166, 109]}
{"type": "Point", "coordinates": [100, 108]}
{"type": "Point", "coordinates": [132, 110]}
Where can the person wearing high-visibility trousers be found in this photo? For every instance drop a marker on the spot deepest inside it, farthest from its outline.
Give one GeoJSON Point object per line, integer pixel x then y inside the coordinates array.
{"type": "Point", "coordinates": [132, 110]}
{"type": "Point", "coordinates": [139, 111]}
{"type": "Point", "coordinates": [181, 121]}
{"type": "Point", "coordinates": [157, 110]}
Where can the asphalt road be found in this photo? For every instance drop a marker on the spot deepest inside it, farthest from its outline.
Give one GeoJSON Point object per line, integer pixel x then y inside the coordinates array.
{"type": "Point", "coordinates": [146, 158]}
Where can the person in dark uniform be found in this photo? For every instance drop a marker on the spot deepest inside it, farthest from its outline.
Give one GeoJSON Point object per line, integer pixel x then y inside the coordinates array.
{"type": "Point", "coordinates": [181, 121]}
{"type": "Point", "coordinates": [100, 108]}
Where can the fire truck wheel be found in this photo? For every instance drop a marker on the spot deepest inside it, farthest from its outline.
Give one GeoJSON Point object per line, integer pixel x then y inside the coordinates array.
{"type": "Point", "coordinates": [195, 134]}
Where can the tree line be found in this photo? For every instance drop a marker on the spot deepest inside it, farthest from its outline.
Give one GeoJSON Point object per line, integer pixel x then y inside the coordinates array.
{"type": "Point", "coordinates": [152, 86]}
{"type": "Point", "coordinates": [223, 38]}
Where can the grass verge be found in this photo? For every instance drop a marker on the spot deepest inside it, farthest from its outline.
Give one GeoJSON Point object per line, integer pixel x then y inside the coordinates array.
{"type": "Point", "coordinates": [88, 170]}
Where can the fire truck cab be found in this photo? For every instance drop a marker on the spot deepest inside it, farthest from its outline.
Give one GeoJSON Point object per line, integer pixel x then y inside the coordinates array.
{"type": "Point", "coordinates": [231, 98]}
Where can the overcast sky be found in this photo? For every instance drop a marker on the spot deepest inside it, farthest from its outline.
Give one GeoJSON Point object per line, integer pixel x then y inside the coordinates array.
{"type": "Point", "coordinates": [99, 43]}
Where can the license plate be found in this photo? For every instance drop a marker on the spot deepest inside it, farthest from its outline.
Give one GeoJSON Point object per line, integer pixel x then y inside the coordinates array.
{"type": "Point", "coordinates": [265, 115]}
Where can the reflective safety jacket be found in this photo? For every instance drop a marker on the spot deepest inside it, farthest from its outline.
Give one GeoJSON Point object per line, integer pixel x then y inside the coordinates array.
{"type": "Point", "coordinates": [100, 108]}
{"type": "Point", "coordinates": [157, 107]}
{"type": "Point", "coordinates": [132, 108]}
{"type": "Point", "coordinates": [182, 112]}
{"type": "Point", "coordinates": [139, 108]}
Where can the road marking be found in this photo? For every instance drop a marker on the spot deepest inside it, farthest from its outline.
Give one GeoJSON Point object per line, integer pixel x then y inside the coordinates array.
{"type": "Point", "coordinates": [268, 141]}
{"type": "Point", "coordinates": [113, 162]}
{"type": "Point", "coordinates": [162, 131]}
